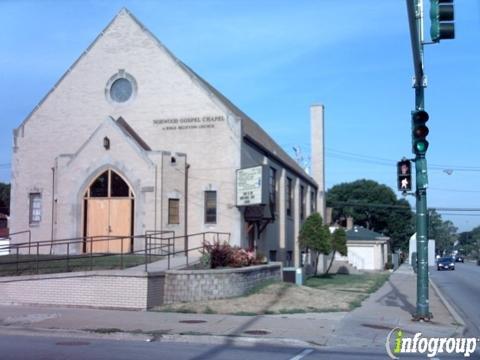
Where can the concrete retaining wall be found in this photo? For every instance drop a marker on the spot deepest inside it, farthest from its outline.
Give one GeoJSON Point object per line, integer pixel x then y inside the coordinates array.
{"type": "Point", "coordinates": [197, 285]}
{"type": "Point", "coordinates": [100, 289]}
{"type": "Point", "coordinates": [133, 290]}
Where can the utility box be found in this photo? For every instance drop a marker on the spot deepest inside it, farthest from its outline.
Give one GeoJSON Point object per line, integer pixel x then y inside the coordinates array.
{"type": "Point", "coordinates": [431, 250]}
{"type": "Point", "coordinates": [294, 275]}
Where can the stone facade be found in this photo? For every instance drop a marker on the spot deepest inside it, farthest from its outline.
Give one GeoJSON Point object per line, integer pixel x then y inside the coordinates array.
{"type": "Point", "coordinates": [198, 285]}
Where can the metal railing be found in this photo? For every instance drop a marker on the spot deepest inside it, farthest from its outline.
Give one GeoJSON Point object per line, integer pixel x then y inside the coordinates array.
{"type": "Point", "coordinates": [31, 257]}
{"type": "Point", "coordinates": [9, 237]}
{"type": "Point", "coordinates": [214, 235]}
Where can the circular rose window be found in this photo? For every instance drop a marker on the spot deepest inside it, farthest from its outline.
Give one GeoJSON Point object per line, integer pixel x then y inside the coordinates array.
{"type": "Point", "coordinates": [121, 87]}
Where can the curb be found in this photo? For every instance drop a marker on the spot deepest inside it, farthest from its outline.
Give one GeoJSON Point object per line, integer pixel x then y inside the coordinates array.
{"type": "Point", "coordinates": [177, 338]}
{"type": "Point", "coordinates": [450, 307]}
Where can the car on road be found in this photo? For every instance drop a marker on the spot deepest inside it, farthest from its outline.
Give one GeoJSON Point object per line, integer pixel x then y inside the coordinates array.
{"type": "Point", "coordinates": [459, 258]}
{"type": "Point", "coordinates": [446, 263]}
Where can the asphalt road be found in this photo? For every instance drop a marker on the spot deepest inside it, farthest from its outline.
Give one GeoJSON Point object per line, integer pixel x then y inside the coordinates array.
{"type": "Point", "coordinates": [461, 287]}
{"type": "Point", "coordinates": [27, 347]}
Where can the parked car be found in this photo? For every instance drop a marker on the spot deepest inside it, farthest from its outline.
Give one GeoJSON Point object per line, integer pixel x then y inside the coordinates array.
{"type": "Point", "coordinates": [459, 258]}
{"type": "Point", "coordinates": [446, 263]}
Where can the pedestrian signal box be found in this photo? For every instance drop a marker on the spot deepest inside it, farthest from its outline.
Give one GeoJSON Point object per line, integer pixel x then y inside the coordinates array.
{"type": "Point", "coordinates": [404, 175]}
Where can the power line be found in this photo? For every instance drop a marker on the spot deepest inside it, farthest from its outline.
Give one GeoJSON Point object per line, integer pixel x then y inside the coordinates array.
{"type": "Point", "coordinates": [452, 214]}
{"type": "Point", "coordinates": [373, 205]}
{"type": "Point", "coordinates": [388, 206]}
{"type": "Point", "coordinates": [345, 155]}
{"type": "Point", "coordinates": [454, 209]}
{"type": "Point", "coordinates": [454, 190]}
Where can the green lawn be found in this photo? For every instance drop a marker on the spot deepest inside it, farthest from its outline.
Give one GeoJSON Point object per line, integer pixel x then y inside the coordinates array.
{"type": "Point", "coordinates": [28, 264]}
{"type": "Point", "coordinates": [359, 285]}
{"type": "Point", "coordinates": [362, 283]}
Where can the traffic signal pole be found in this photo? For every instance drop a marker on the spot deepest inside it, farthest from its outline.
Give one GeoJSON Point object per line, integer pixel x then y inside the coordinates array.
{"type": "Point", "coordinates": [415, 19]}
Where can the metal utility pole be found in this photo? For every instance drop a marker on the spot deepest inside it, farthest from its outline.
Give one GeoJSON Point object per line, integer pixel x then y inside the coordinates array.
{"type": "Point", "coordinates": [442, 27]}
{"type": "Point", "coordinates": [415, 19]}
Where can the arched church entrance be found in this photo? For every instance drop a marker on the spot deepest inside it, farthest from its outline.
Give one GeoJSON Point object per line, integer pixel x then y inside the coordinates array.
{"type": "Point", "coordinates": [108, 215]}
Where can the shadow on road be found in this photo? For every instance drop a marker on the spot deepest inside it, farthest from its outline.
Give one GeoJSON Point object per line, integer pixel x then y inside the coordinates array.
{"type": "Point", "coordinates": [236, 333]}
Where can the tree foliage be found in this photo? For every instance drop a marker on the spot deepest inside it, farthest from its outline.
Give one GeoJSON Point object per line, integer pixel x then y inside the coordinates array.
{"type": "Point", "coordinates": [469, 242]}
{"type": "Point", "coordinates": [373, 206]}
{"type": "Point", "coordinates": [315, 236]}
{"type": "Point", "coordinates": [339, 244]}
{"type": "Point", "coordinates": [443, 232]}
{"type": "Point", "coordinates": [5, 198]}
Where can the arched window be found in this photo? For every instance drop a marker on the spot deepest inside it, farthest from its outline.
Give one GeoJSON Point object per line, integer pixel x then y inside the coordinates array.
{"type": "Point", "coordinates": [109, 184]}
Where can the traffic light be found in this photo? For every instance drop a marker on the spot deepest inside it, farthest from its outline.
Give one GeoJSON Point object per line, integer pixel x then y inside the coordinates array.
{"type": "Point", "coordinates": [404, 175]}
{"type": "Point", "coordinates": [419, 132]}
{"type": "Point", "coordinates": [442, 16]}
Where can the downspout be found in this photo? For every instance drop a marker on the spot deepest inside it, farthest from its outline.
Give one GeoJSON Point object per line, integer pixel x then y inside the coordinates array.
{"type": "Point", "coordinates": [156, 199]}
{"type": "Point", "coordinates": [53, 208]}
{"type": "Point", "coordinates": [185, 206]}
{"type": "Point", "coordinates": [161, 196]}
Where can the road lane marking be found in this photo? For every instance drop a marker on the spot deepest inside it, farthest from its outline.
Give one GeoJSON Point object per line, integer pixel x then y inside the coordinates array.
{"type": "Point", "coordinates": [302, 354]}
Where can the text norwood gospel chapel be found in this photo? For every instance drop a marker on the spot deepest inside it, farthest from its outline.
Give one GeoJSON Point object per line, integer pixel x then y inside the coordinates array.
{"type": "Point", "coordinates": [131, 140]}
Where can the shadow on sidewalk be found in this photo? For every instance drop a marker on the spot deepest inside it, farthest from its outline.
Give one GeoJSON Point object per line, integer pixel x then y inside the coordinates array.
{"type": "Point", "coordinates": [395, 298]}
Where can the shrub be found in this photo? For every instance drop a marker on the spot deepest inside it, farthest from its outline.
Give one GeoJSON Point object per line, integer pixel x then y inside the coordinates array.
{"type": "Point", "coordinates": [220, 254]}
{"type": "Point", "coordinates": [260, 259]}
{"type": "Point", "coordinates": [205, 261]}
{"type": "Point", "coordinates": [241, 257]}
{"type": "Point", "coordinates": [388, 265]}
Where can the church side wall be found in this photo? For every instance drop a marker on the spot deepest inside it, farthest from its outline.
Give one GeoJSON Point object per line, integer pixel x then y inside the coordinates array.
{"type": "Point", "coordinates": [279, 240]}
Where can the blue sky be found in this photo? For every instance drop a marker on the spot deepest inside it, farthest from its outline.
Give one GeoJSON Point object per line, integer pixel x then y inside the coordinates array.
{"type": "Point", "coordinates": [274, 59]}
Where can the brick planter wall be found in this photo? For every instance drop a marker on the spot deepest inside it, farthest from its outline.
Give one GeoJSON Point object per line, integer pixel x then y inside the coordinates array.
{"type": "Point", "coordinates": [197, 285]}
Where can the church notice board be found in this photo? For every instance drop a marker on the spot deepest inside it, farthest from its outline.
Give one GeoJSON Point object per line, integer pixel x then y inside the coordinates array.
{"type": "Point", "coordinates": [252, 186]}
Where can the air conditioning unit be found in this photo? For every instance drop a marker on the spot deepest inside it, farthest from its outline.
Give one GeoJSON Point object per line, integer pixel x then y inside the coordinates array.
{"type": "Point", "coordinates": [294, 275]}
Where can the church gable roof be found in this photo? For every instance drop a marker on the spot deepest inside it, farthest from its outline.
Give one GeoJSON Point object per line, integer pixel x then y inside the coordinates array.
{"type": "Point", "coordinates": [130, 132]}
{"type": "Point", "coordinates": [254, 133]}
{"type": "Point", "coordinates": [251, 131]}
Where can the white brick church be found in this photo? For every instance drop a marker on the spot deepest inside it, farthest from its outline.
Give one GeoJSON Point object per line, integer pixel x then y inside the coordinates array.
{"type": "Point", "coordinates": [130, 140]}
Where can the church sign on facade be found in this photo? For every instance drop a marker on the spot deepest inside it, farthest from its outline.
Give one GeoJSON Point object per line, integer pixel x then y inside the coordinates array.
{"type": "Point", "coordinates": [251, 184]}
{"type": "Point", "coordinates": [185, 123]}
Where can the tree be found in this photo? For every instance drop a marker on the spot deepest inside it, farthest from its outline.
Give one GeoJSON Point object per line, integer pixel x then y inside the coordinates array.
{"type": "Point", "coordinates": [4, 198]}
{"type": "Point", "coordinates": [339, 244]}
{"type": "Point", "coordinates": [315, 236]}
{"type": "Point", "coordinates": [443, 232]}
{"type": "Point", "coordinates": [469, 242]}
{"type": "Point", "coordinates": [373, 206]}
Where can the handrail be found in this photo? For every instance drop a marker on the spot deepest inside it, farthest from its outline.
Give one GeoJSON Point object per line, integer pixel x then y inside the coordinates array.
{"type": "Point", "coordinates": [150, 249]}
{"type": "Point", "coordinates": [22, 232]}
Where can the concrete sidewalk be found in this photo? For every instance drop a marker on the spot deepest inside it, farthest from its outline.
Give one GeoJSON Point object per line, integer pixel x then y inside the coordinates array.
{"type": "Point", "coordinates": [367, 326]}
{"type": "Point", "coordinates": [391, 307]}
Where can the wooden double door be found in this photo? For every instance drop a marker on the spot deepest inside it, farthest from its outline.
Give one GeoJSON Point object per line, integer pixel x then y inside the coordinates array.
{"type": "Point", "coordinates": [108, 217]}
